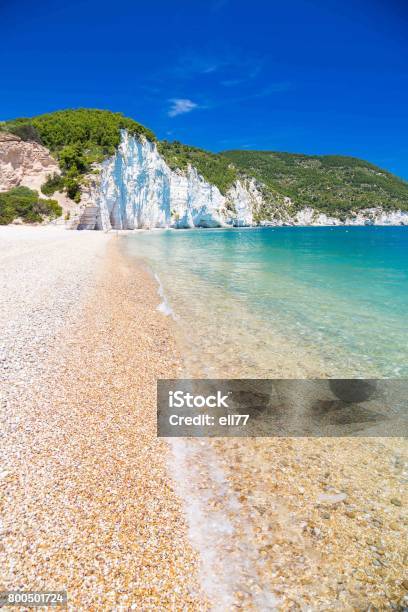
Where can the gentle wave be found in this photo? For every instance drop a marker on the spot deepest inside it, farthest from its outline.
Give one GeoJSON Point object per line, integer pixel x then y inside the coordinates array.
{"type": "Point", "coordinates": [164, 307]}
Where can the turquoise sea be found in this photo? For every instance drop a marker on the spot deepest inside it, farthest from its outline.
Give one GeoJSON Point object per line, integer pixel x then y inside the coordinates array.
{"type": "Point", "coordinates": [288, 301]}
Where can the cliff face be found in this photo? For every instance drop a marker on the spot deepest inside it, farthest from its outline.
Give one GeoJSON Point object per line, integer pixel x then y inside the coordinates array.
{"type": "Point", "coordinates": [24, 163]}
{"type": "Point", "coordinates": [137, 189]}
{"type": "Point", "coordinates": [28, 164]}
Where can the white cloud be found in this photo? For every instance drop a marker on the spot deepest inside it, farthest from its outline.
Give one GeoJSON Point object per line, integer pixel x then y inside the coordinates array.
{"type": "Point", "coordinates": [179, 106]}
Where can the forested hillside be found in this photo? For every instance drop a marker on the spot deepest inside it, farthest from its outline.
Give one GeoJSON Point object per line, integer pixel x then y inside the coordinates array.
{"type": "Point", "coordinates": [329, 183]}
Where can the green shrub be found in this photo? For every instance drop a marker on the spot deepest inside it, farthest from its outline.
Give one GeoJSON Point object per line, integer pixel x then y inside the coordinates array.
{"type": "Point", "coordinates": [332, 184]}
{"type": "Point", "coordinates": [73, 188]}
{"type": "Point", "coordinates": [52, 184]}
{"type": "Point", "coordinates": [72, 159]}
{"type": "Point", "coordinates": [24, 203]}
{"type": "Point", "coordinates": [25, 131]}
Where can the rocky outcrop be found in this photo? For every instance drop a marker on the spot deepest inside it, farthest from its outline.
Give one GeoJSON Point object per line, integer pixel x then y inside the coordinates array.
{"type": "Point", "coordinates": [24, 163]}
{"type": "Point", "coordinates": [367, 216]}
{"type": "Point", "coordinates": [378, 216]}
{"type": "Point", "coordinates": [28, 164]}
{"type": "Point", "coordinates": [244, 199]}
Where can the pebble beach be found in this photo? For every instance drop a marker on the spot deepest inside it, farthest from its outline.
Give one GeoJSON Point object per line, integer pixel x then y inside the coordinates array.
{"type": "Point", "coordinates": [87, 505]}
{"type": "Point", "coordinates": [92, 502]}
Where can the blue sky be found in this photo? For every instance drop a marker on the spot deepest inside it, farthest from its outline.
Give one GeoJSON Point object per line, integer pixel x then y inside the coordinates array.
{"type": "Point", "coordinates": [312, 76]}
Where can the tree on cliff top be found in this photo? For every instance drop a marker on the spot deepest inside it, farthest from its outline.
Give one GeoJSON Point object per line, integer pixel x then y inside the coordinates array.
{"type": "Point", "coordinates": [97, 131]}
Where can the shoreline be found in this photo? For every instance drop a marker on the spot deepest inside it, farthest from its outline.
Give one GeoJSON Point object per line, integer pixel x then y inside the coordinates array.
{"type": "Point", "coordinates": [296, 517]}
{"type": "Point", "coordinates": [90, 504]}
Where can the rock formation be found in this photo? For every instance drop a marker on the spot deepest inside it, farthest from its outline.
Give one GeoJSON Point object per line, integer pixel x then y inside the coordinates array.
{"type": "Point", "coordinates": [24, 163]}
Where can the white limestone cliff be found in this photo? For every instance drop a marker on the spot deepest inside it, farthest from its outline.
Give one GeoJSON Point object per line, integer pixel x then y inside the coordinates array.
{"type": "Point", "coordinates": [378, 216]}
{"type": "Point", "coordinates": [367, 216]}
{"type": "Point", "coordinates": [137, 189]}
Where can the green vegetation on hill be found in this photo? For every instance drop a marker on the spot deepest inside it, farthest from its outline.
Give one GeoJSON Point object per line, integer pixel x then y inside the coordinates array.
{"type": "Point", "coordinates": [23, 203]}
{"type": "Point", "coordinates": [215, 168]}
{"type": "Point", "coordinates": [77, 138]}
{"type": "Point", "coordinates": [96, 131]}
{"type": "Point", "coordinates": [331, 183]}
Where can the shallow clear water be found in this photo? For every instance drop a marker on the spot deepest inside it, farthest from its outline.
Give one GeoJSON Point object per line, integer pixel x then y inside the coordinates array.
{"type": "Point", "coordinates": [286, 301]}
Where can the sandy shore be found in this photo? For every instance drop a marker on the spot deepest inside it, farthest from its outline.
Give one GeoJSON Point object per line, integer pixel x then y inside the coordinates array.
{"type": "Point", "coordinates": [87, 504]}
